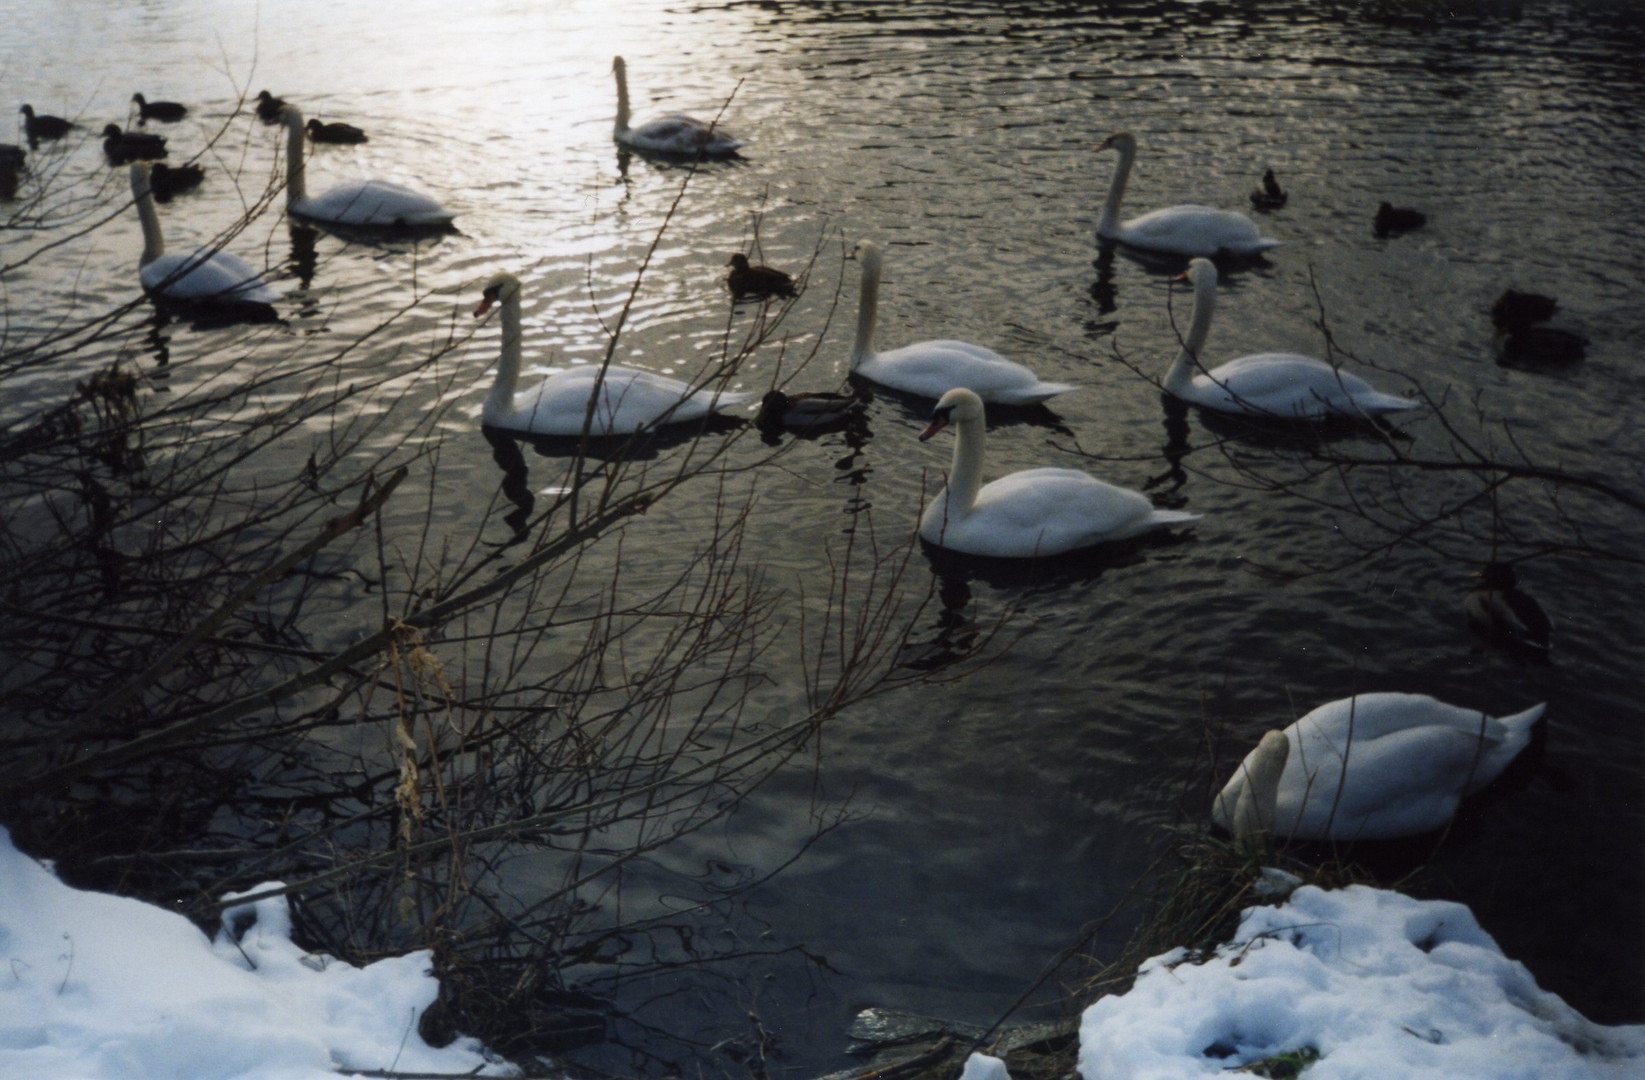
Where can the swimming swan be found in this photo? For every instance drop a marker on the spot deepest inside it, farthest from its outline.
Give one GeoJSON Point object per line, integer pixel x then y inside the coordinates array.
{"type": "Point", "coordinates": [368, 204]}
{"type": "Point", "coordinates": [932, 368]}
{"type": "Point", "coordinates": [1025, 514]}
{"type": "Point", "coordinates": [1410, 760]}
{"type": "Point", "coordinates": [1175, 230]}
{"type": "Point", "coordinates": [674, 134]}
{"type": "Point", "coordinates": [1280, 385]}
{"type": "Point", "coordinates": [630, 399]}
{"type": "Point", "coordinates": [204, 277]}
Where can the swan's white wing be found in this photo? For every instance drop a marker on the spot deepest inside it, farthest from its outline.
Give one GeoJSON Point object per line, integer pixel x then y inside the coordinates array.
{"type": "Point", "coordinates": [1195, 230]}
{"type": "Point", "coordinates": [680, 134]}
{"type": "Point", "coordinates": [932, 368]}
{"type": "Point", "coordinates": [1043, 512]}
{"type": "Point", "coordinates": [629, 399]}
{"type": "Point", "coordinates": [375, 204]}
{"type": "Point", "coordinates": [1290, 385]}
{"type": "Point", "coordinates": [222, 277]}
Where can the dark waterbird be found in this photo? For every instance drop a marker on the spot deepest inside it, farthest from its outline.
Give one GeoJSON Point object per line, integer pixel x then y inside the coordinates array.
{"type": "Point", "coordinates": [1392, 219]}
{"type": "Point", "coordinates": [166, 181]}
{"type": "Point", "coordinates": [745, 280]}
{"type": "Point", "coordinates": [1505, 618]}
{"type": "Point", "coordinates": [268, 107]}
{"type": "Point", "coordinates": [1542, 346]}
{"type": "Point", "coordinates": [812, 410]}
{"type": "Point", "coordinates": [1515, 310]}
{"type": "Point", "coordinates": [1270, 196]}
{"type": "Point", "coordinates": [123, 147]}
{"type": "Point", "coordinates": [334, 133]}
{"type": "Point", "coordinates": [43, 127]}
{"type": "Point", "coordinates": [164, 111]}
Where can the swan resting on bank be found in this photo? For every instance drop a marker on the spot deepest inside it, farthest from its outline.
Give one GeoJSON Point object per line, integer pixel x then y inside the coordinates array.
{"type": "Point", "coordinates": [1174, 230]}
{"type": "Point", "coordinates": [1036, 512]}
{"type": "Point", "coordinates": [1371, 767]}
{"type": "Point", "coordinates": [1282, 386]}
{"type": "Point", "coordinates": [628, 399]}
{"type": "Point", "coordinates": [932, 368]}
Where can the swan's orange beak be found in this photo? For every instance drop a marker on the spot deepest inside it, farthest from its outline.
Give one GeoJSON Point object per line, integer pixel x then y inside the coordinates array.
{"type": "Point", "coordinates": [484, 305]}
{"type": "Point", "coordinates": [1182, 277]}
{"type": "Point", "coordinates": [938, 422]}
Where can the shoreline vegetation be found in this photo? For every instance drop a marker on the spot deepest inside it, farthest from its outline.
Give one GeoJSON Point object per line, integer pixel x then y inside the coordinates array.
{"type": "Point", "coordinates": [198, 706]}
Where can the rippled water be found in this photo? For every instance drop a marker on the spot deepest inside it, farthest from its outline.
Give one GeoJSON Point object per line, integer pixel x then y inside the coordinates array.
{"type": "Point", "coordinates": [992, 819]}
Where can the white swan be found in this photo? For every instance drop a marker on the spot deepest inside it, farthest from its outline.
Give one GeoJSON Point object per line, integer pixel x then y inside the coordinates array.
{"type": "Point", "coordinates": [674, 134]}
{"type": "Point", "coordinates": [1280, 385]}
{"type": "Point", "coordinates": [364, 204]}
{"type": "Point", "coordinates": [629, 399]}
{"type": "Point", "coordinates": [204, 277]}
{"type": "Point", "coordinates": [1029, 513]}
{"type": "Point", "coordinates": [932, 368]}
{"type": "Point", "coordinates": [1409, 761]}
{"type": "Point", "coordinates": [1174, 230]}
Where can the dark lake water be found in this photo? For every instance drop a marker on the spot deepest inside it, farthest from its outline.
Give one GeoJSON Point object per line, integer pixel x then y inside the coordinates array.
{"type": "Point", "coordinates": [990, 820]}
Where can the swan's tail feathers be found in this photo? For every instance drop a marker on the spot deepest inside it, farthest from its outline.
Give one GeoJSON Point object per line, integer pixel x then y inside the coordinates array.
{"type": "Point", "coordinates": [1519, 725]}
{"type": "Point", "coordinates": [1374, 404]}
{"type": "Point", "coordinates": [1172, 517]}
{"type": "Point", "coordinates": [427, 219]}
{"type": "Point", "coordinates": [1034, 394]}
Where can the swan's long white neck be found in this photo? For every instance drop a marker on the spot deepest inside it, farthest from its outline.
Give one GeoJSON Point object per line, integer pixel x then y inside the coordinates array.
{"type": "Point", "coordinates": [154, 243]}
{"type": "Point", "coordinates": [1187, 363]}
{"type": "Point", "coordinates": [1259, 799]}
{"type": "Point", "coordinates": [965, 474]}
{"type": "Point", "coordinates": [295, 191]}
{"type": "Point", "coordinates": [501, 398]}
{"type": "Point", "coordinates": [621, 70]}
{"type": "Point", "coordinates": [1109, 223]}
{"type": "Point", "coordinates": [867, 308]}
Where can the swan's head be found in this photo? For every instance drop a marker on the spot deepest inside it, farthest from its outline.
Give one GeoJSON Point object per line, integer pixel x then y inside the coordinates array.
{"type": "Point", "coordinates": [28, 111]}
{"type": "Point", "coordinates": [138, 98]}
{"type": "Point", "coordinates": [619, 65]}
{"type": "Point", "coordinates": [955, 407]}
{"type": "Point", "coordinates": [1123, 141]}
{"type": "Point", "coordinates": [1199, 270]}
{"type": "Point", "coordinates": [868, 253]}
{"type": "Point", "coordinates": [499, 288]}
{"type": "Point", "coordinates": [291, 117]}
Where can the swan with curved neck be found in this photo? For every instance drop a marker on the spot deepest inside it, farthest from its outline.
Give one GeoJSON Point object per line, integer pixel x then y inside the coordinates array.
{"type": "Point", "coordinates": [1371, 767]}
{"type": "Point", "coordinates": [210, 277]}
{"type": "Point", "coordinates": [367, 204]}
{"type": "Point", "coordinates": [676, 134]}
{"type": "Point", "coordinates": [1254, 808]}
{"type": "Point", "coordinates": [626, 399]}
{"type": "Point", "coordinates": [932, 368]}
{"type": "Point", "coordinates": [1036, 512]}
{"type": "Point", "coordinates": [1175, 230]}
{"type": "Point", "coordinates": [1283, 386]}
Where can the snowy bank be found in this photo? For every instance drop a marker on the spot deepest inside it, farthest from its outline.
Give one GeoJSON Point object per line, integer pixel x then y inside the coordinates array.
{"type": "Point", "coordinates": [1378, 984]}
{"type": "Point", "coordinates": [99, 986]}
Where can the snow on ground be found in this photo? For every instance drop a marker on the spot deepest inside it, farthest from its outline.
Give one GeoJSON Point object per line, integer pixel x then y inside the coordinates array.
{"type": "Point", "coordinates": [96, 986]}
{"type": "Point", "coordinates": [1379, 984]}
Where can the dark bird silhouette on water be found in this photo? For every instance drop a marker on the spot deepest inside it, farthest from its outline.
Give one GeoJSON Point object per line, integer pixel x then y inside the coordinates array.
{"type": "Point", "coordinates": [1515, 310]}
{"type": "Point", "coordinates": [124, 147]}
{"type": "Point", "coordinates": [334, 133]}
{"type": "Point", "coordinates": [1393, 219]}
{"type": "Point", "coordinates": [165, 111]}
{"type": "Point", "coordinates": [745, 280]}
{"type": "Point", "coordinates": [1504, 617]}
{"type": "Point", "coordinates": [166, 181]}
{"type": "Point", "coordinates": [44, 127]}
{"type": "Point", "coordinates": [1270, 196]}
{"type": "Point", "coordinates": [268, 107]}
{"type": "Point", "coordinates": [813, 410]}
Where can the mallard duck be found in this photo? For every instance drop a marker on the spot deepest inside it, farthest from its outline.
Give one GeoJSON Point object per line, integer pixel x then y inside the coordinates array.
{"type": "Point", "coordinates": [123, 147]}
{"type": "Point", "coordinates": [268, 107]}
{"type": "Point", "coordinates": [334, 132]}
{"type": "Point", "coordinates": [1392, 219]}
{"type": "Point", "coordinates": [1515, 310]}
{"type": "Point", "coordinates": [164, 111]}
{"type": "Point", "coordinates": [166, 181]}
{"type": "Point", "coordinates": [745, 280]}
{"type": "Point", "coordinates": [1270, 196]}
{"type": "Point", "coordinates": [807, 411]}
{"type": "Point", "coordinates": [1175, 230]}
{"type": "Point", "coordinates": [1504, 617]}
